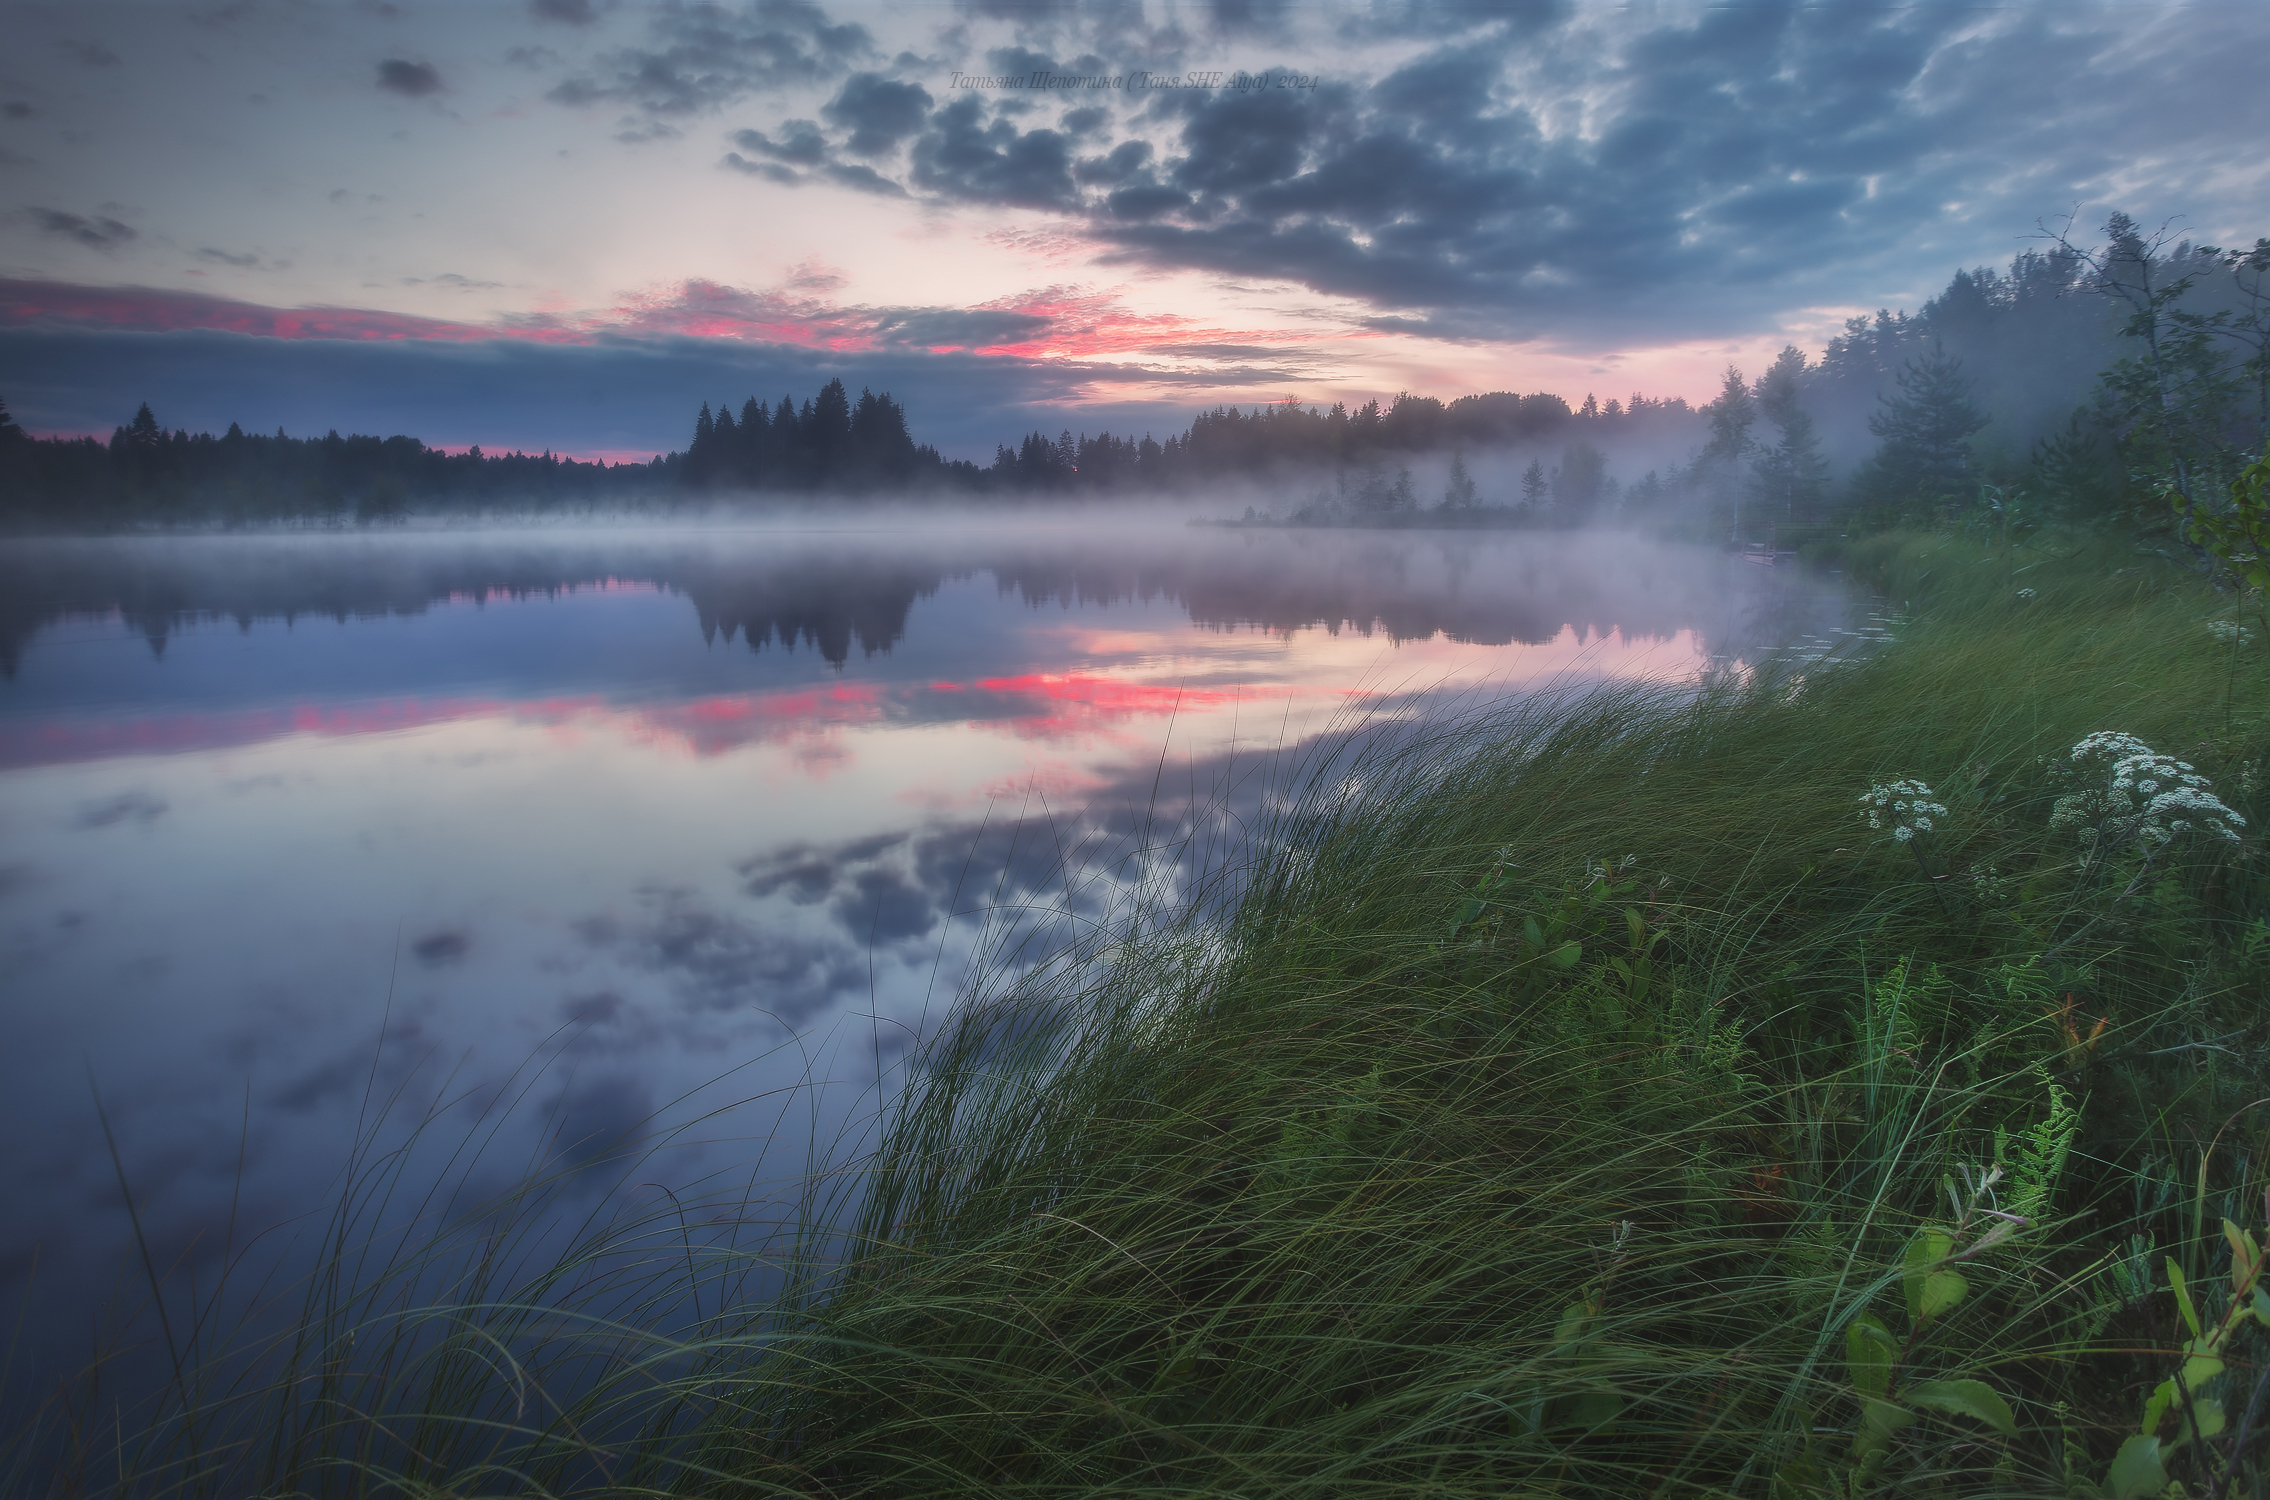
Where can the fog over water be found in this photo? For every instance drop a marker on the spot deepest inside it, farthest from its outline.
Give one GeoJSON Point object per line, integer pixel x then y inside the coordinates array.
{"type": "Point", "coordinates": [558, 829]}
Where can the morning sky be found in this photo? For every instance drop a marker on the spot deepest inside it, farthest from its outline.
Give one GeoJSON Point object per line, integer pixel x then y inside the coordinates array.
{"type": "Point", "coordinates": [567, 223]}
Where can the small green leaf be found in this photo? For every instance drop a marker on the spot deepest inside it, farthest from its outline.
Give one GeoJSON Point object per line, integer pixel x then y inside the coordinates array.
{"type": "Point", "coordinates": [2136, 1470]}
{"type": "Point", "coordinates": [2262, 1307]}
{"type": "Point", "coordinates": [1566, 955]}
{"type": "Point", "coordinates": [2183, 1297]}
{"type": "Point", "coordinates": [2201, 1364]}
{"type": "Point", "coordinates": [1931, 1292]}
{"type": "Point", "coordinates": [2206, 1415]}
{"type": "Point", "coordinates": [1963, 1398]}
{"type": "Point", "coordinates": [1878, 1421]}
{"type": "Point", "coordinates": [1638, 927]}
{"type": "Point", "coordinates": [2156, 1409]}
{"type": "Point", "coordinates": [1869, 1351]}
{"type": "Point", "coordinates": [1574, 1319]}
{"type": "Point", "coordinates": [1530, 933]}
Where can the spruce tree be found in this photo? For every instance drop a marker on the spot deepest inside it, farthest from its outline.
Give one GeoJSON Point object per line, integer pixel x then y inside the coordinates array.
{"type": "Point", "coordinates": [1533, 487]}
{"type": "Point", "coordinates": [1731, 417]}
{"type": "Point", "coordinates": [1459, 493]}
{"type": "Point", "coordinates": [1926, 431]}
{"type": "Point", "coordinates": [1791, 478]}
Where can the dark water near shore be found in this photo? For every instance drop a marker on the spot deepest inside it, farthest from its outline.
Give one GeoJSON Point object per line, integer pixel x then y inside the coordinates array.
{"type": "Point", "coordinates": [558, 829]}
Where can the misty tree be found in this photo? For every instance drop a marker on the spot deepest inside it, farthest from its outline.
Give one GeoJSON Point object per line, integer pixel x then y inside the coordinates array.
{"type": "Point", "coordinates": [1580, 483]}
{"type": "Point", "coordinates": [2248, 324]}
{"type": "Point", "coordinates": [1730, 416]}
{"type": "Point", "coordinates": [1925, 431]}
{"type": "Point", "coordinates": [1459, 493]}
{"type": "Point", "coordinates": [1716, 469]}
{"type": "Point", "coordinates": [1534, 487]}
{"type": "Point", "coordinates": [1792, 475]}
{"type": "Point", "coordinates": [2171, 402]}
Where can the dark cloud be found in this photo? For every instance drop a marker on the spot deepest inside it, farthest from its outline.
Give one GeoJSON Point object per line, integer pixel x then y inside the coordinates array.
{"type": "Point", "coordinates": [962, 155]}
{"type": "Point", "coordinates": [569, 12]}
{"type": "Point", "coordinates": [862, 178]}
{"type": "Point", "coordinates": [1548, 170]}
{"type": "Point", "coordinates": [800, 143]}
{"type": "Point", "coordinates": [16, 109]}
{"type": "Point", "coordinates": [770, 171]}
{"type": "Point", "coordinates": [412, 80]}
{"type": "Point", "coordinates": [959, 328]}
{"type": "Point", "coordinates": [97, 233]}
{"type": "Point", "coordinates": [879, 112]}
{"type": "Point", "coordinates": [224, 258]}
{"type": "Point", "coordinates": [1087, 121]}
{"type": "Point", "coordinates": [90, 54]}
{"type": "Point", "coordinates": [704, 57]}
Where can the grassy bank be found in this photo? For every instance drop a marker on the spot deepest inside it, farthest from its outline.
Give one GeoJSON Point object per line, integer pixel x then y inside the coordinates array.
{"type": "Point", "coordinates": [1581, 1101]}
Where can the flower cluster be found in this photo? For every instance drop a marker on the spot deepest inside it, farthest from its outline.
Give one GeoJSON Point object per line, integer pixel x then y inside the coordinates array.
{"type": "Point", "coordinates": [2142, 796]}
{"type": "Point", "coordinates": [2229, 632]}
{"type": "Point", "coordinates": [2025, 593]}
{"type": "Point", "coordinates": [1906, 804]}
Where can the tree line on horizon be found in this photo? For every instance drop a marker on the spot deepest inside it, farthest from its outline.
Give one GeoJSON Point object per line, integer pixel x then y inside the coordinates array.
{"type": "Point", "coordinates": [2080, 381]}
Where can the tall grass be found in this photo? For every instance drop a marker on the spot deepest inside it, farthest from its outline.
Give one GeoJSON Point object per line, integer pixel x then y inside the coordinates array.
{"type": "Point", "coordinates": [1537, 1115]}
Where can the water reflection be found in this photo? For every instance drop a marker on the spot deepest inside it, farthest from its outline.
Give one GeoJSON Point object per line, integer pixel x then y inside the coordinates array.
{"type": "Point", "coordinates": [560, 830]}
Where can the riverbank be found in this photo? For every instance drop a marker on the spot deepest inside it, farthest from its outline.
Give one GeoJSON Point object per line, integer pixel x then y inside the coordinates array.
{"type": "Point", "coordinates": [1562, 1092]}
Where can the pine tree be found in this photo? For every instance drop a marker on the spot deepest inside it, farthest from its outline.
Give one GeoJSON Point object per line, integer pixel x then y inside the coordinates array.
{"type": "Point", "coordinates": [1926, 432]}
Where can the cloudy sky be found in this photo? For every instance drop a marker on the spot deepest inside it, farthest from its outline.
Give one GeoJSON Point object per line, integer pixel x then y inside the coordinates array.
{"type": "Point", "coordinates": [567, 223]}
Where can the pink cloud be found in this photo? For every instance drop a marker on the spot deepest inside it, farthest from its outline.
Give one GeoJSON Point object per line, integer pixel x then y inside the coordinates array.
{"type": "Point", "coordinates": [1053, 322]}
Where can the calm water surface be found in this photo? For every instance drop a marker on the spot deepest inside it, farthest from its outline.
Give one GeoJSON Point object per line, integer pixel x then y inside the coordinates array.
{"type": "Point", "coordinates": [555, 830]}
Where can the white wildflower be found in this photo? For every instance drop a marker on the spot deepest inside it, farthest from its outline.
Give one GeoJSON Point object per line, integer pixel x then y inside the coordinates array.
{"type": "Point", "coordinates": [2109, 744]}
{"type": "Point", "coordinates": [2026, 593]}
{"type": "Point", "coordinates": [2145, 797]}
{"type": "Point", "coordinates": [2228, 632]}
{"type": "Point", "coordinates": [1907, 805]}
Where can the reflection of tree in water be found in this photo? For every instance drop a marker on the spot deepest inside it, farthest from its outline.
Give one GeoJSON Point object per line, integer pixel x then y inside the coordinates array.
{"type": "Point", "coordinates": [836, 594]}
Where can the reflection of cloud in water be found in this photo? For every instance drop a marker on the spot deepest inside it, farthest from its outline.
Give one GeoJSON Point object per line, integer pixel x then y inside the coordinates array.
{"type": "Point", "coordinates": [139, 806]}
{"type": "Point", "coordinates": [719, 961]}
{"type": "Point", "coordinates": [506, 869]}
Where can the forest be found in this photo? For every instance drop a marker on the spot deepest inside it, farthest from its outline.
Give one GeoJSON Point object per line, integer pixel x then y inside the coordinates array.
{"type": "Point", "coordinates": [2079, 382]}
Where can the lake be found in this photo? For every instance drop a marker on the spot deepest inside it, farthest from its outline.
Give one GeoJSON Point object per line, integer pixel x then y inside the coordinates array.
{"type": "Point", "coordinates": [551, 838]}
